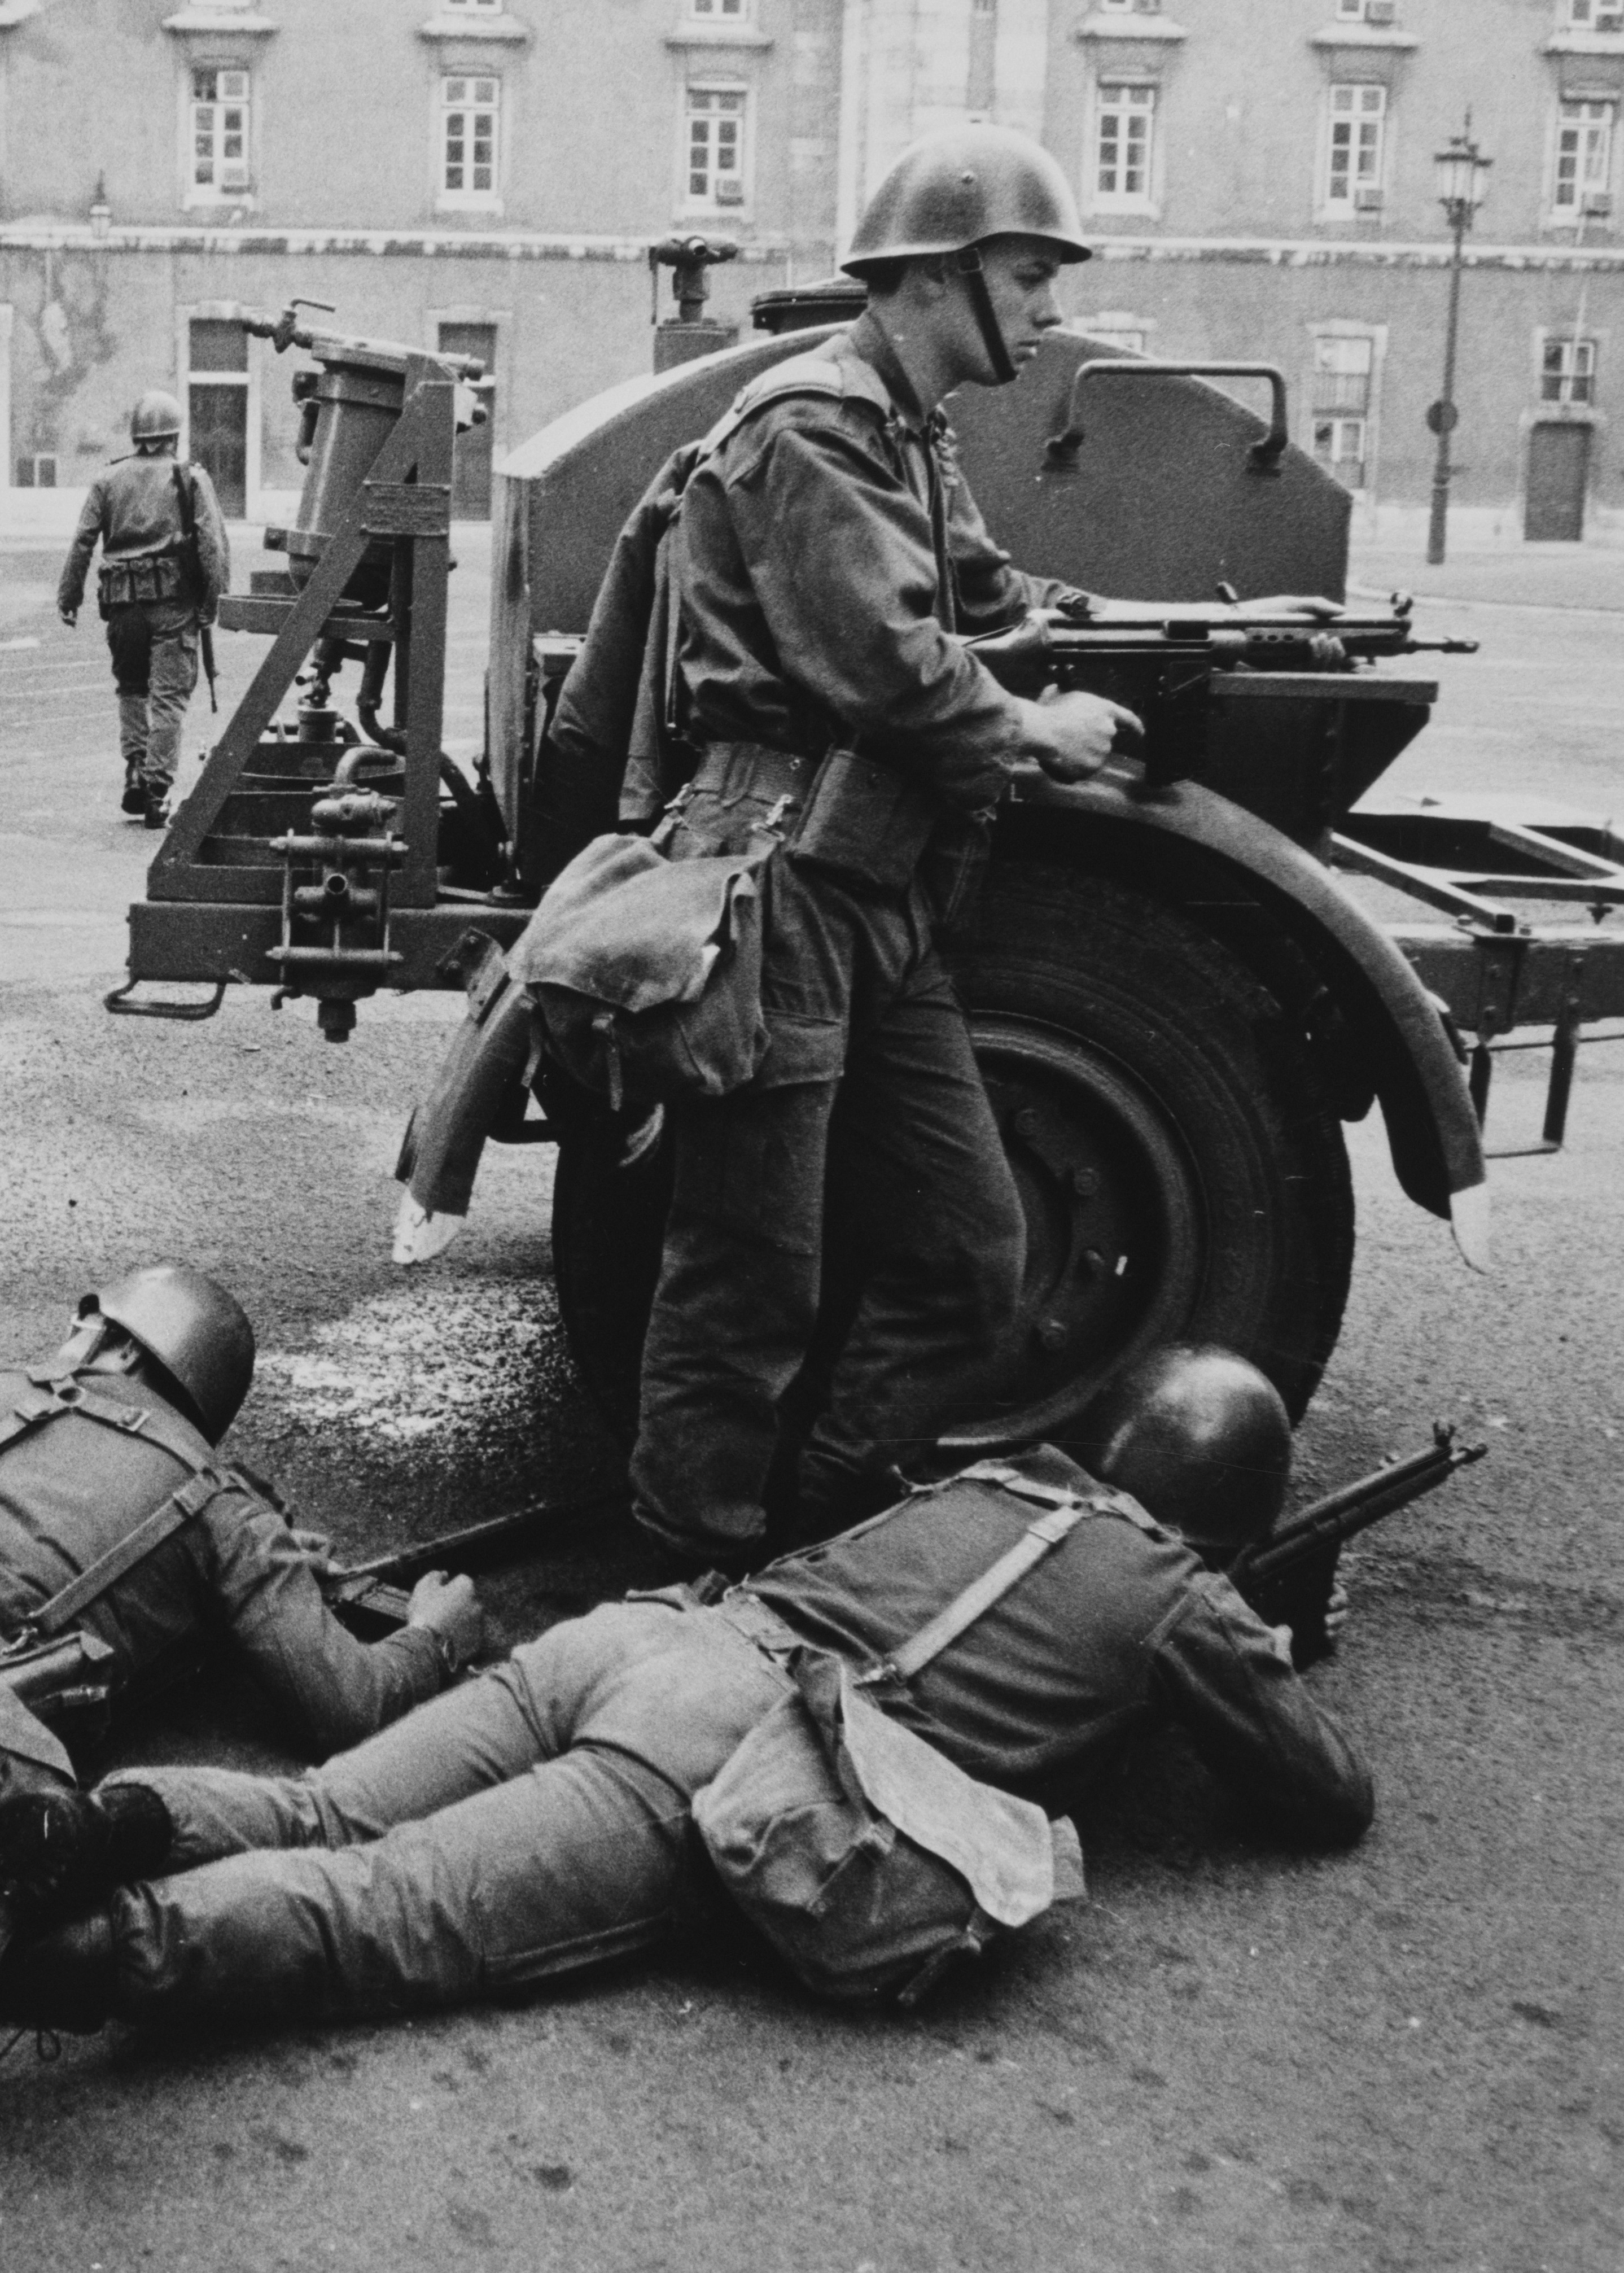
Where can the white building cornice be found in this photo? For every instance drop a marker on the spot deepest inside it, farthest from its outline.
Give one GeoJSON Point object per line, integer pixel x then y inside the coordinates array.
{"type": "Point", "coordinates": [1577, 41]}
{"type": "Point", "coordinates": [43, 233]}
{"type": "Point", "coordinates": [717, 36]}
{"type": "Point", "coordinates": [1156, 31]}
{"type": "Point", "coordinates": [1362, 36]}
{"type": "Point", "coordinates": [210, 22]}
{"type": "Point", "coordinates": [498, 30]}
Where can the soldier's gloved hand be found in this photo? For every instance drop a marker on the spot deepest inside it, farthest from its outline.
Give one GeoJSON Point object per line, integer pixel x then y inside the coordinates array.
{"type": "Point", "coordinates": [70, 616]}
{"type": "Point", "coordinates": [1338, 1610]}
{"type": "Point", "coordinates": [315, 1546]}
{"type": "Point", "coordinates": [450, 1610]}
{"type": "Point", "coordinates": [1072, 735]}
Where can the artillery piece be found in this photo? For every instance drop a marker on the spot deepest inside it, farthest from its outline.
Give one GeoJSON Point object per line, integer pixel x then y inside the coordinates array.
{"type": "Point", "coordinates": [1175, 1002]}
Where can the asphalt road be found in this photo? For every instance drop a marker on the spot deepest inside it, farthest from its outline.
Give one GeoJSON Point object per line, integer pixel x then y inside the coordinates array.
{"type": "Point", "coordinates": [1405, 2058]}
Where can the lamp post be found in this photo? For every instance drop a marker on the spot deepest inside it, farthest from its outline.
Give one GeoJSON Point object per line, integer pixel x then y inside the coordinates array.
{"type": "Point", "coordinates": [1460, 171]}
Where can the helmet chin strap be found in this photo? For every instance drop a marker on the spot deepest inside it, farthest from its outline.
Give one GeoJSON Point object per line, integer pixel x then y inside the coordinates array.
{"type": "Point", "coordinates": [967, 263]}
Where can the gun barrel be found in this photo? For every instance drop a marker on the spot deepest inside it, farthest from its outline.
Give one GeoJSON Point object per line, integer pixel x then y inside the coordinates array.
{"type": "Point", "coordinates": [1340, 1514]}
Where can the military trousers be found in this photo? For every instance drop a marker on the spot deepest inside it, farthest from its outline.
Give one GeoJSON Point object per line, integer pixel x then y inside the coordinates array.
{"type": "Point", "coordinates": [154, 645]}
{"type": "Point", "coordinates": [848, 1214]}
{"type": "Point", "coordinates": [536, 1821]}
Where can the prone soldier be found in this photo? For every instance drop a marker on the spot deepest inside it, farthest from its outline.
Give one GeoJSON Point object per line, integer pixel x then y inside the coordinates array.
{"type": "Point", "coordinates": [1018, 1624]}
{"type": "Point", "coordinates": [124, 1541]}
{"type": "Point", "coordinates": [165, 563]}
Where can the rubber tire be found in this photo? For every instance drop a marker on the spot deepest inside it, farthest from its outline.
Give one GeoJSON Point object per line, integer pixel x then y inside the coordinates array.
{"type": "Point", "coordinates": [1151, 999]}
{"type": "Point", "coordinates": [1161, 1015]}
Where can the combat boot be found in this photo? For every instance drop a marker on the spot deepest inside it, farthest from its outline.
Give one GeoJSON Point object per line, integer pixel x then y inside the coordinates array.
{"type": "Point", "coordinates": [65, 1981]}
{"type": "Point", "coordinates": [157, 809]}
{"type": "Point", "coordinates": [134, 799]}
{"type": "Point", "coordinates": [60, 1852]}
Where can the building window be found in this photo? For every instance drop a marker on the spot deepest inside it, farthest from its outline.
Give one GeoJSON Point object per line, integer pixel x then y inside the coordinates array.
{"type": "Point", "coordinates": [1354, 150]}
{"type": "Point", "coordinates": [474, 7]}
{"type": "Point", "coordinates": [715, 11]}
{"type": "Point", "coordinates": [1567, 371]}
{"type": "Point", "coordinates": [1344, 364]}
{"type": "Point", "coordinates": [1596, 15]}
{"type": "Point", "coordinates": [1372, 12]}
{"type": "Point", "coordinates": [470, 111]}
{"type": "Point", "coordinates": [714, 147]}
{"type": "Point", "coordinates": [1125, 132]}
{"type": "Point", "coordinates": [37, 470]}
{"type": "Point", "coordinates": [1583, 158]}
{"type": "Point", "coordinates": [219, 133]}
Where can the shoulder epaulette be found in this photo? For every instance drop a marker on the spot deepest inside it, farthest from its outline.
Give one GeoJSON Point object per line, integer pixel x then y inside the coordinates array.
{"type": "Point", "coordinates": [851, 380]}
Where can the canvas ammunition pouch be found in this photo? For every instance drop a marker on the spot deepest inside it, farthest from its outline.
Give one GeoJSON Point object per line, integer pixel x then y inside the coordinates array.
{"type": "Point", "coordinates": [868, 1859]}
{"type": "Point", "coordinates": [127, 583]}
{"type": "Point", "coordinates": [845, 813]}
{"type": "Point", "coordinates": [647, 972]}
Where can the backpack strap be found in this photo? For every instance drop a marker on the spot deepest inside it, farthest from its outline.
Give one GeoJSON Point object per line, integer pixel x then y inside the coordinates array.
{"type": "Point", "coordinates": [1065, 1510]}
{"type": "Point", "coordinates": [47, 1398]}
{"type": "Point", "coordinates": [182, 1504]}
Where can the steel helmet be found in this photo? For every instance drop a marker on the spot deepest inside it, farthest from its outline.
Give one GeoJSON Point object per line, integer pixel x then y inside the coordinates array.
{"type": "Point", "coordinates": [155, 418]}
{"type": "Point", "coordinates": [195, 1330]}
{"type": "Point", "coordinates": [957, 188]}
{"type": "Point", "coordinates": [1201, 1438]}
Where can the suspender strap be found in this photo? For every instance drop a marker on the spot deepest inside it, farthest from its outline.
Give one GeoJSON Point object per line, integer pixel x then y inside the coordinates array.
{"type": "Point", "coordinates": [49, 1396]}
{"type": "Point", "coordinates": [1065, 1511]}
{"type": "Point", "coordinates": [162, 1523]}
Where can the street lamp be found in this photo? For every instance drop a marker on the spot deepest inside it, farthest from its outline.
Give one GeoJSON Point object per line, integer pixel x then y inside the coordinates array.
{"type": "Point", "coordinates": [1461, 173]}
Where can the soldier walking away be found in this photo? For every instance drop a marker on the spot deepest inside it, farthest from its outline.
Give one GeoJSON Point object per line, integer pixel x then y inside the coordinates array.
{"type": "Point", "coordinates": [825, 566]}
{"type": "Point", "coordinates": [1022, 1624]}
{"type": "Point", "coordinates": [165, 563]}
{"type": "Point", "coordinates": [124, 1542]}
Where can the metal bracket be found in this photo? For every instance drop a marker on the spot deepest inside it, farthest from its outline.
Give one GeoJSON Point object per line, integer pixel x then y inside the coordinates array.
{"type": "Point", "coordinates": [119, 1004]}
{"type": "Point", "coordinates": [1264, 455]}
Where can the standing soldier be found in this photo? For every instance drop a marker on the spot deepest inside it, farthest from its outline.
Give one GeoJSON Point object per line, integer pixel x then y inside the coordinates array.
{"type": "Point", "coordinates": [165, 562]}
{"type": "Point", "coordinates": [828, 563]}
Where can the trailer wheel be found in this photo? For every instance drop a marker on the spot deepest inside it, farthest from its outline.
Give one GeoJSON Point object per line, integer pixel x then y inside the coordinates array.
{"type": "Point", "coordinates": [1182, 1176]}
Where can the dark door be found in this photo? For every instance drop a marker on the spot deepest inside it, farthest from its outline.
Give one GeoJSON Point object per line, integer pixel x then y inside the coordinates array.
{"type": "Point", "coordinates": [219, 409]}
{"type": "Point", "coordinates": [470, 480]}
{"type": "Point", "coordinates": [1559, 464]}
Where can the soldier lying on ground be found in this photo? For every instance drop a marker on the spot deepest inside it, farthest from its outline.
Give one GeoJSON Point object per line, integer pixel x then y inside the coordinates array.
{"type": "Point", "coordinates": [106, 1454]}
{"type": "Point", "coordinates": [541, 1816]}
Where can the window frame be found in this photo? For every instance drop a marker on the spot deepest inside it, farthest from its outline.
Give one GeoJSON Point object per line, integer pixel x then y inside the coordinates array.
{"type": "Point", "coordinates": [1569, 349]}
{"type": "Point", "coordinates": [1116, 86]}
{"type": "Point", "coordinates": [731, 12]}
{"type": "Point", "coordinates": [467, 200]}
{"type": "Point", "coordinates": [214, 194]}
{"type": "Point", "coordinates": [1561, 215]}
{"type": "Point", "coordinates": [735, 90]}
{"type": "Point", "coordinates": [1572, 21]}
{"type": "Point", "coordinates": [1366, 414]}
{"type": "Point", "coordinates": [1328, 206]}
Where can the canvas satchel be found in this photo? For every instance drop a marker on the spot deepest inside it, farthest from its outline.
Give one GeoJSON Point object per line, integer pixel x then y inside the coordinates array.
{"type": "Point", "coordinates": [647, 973]}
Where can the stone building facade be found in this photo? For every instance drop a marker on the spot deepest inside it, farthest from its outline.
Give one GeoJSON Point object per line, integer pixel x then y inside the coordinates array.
{"type": "Point", "coordinates": [486, 175]}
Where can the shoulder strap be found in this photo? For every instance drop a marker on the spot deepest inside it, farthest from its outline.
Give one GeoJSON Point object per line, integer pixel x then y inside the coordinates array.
{"type": "Point", "coordinates": [801, 375]}
{"type": "Point", "coordinates": [51, 1395]}
{"type": "Point", "coordinates": [162, 1523]}
{"type": "Point", "coordinates": [1065, 1511]}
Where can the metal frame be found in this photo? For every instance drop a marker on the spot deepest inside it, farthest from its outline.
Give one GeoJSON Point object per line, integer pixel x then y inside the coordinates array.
{"type": "Point", "coordinates": [1494, 969]}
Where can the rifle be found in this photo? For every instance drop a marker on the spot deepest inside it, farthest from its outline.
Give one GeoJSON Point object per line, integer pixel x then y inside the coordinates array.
{"type": "Point", "coordinates": [206, 648]}
{"type": "Point", "coordinates": [1161, 662]}
{"type": "Point", "coordinates": [1327, 1522]}
{"type": "Point", "coordinates": [372, 1597]}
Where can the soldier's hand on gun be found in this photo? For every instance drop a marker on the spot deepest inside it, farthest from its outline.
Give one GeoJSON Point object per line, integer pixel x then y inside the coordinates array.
{"type": "Point", "coordinates": [450, 1608]}
{"type": "Point", "coordinates": [315, 1546]}
{"type": "Point", "coordinates": [1071, 735]}
{"type": "Point", "coordinates": [1317, 610]}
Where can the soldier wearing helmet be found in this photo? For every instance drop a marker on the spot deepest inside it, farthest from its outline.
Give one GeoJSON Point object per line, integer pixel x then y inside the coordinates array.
{"type": "Point", "coordinates": [124, 1541]}
{"type": "Point", "coordinates": [825, 567]}
{"type": "Point", "coordinates": [499, 1846]}
{"type": "Point", "coordinates": [165, 562]}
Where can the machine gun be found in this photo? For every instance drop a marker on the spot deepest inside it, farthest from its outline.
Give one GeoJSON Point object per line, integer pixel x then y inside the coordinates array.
{"type": "Point", "coordinates": [1162, 662]}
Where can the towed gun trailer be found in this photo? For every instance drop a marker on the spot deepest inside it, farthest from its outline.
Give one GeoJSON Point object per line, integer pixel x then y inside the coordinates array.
{"type": "Point", "coordinates": [1177, 1002]}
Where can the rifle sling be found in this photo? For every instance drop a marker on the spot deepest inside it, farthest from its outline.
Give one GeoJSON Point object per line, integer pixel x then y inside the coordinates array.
{"type": "Point", "coordinates": [187, 1501]}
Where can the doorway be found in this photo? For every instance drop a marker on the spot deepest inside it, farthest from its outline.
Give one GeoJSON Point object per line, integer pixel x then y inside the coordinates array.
{"type": "Point", "coordinates": [1559, 466]}
{"type": "Point", "coordinates": [217, 409]}
{"type": "Point", "coordinates": [470, 478]}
